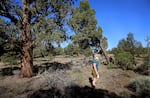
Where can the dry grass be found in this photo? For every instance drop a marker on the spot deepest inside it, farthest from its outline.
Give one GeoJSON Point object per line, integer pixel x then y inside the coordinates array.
{"type": "Point", "coordinates": [113, 80]}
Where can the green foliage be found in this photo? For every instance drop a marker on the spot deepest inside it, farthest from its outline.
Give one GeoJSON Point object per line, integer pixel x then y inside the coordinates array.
{"type": "Point", "coordinates": [110, 66]}
{"type": "Point", "coordinates": [131, 45]}
{"type": "Point", "coordinates": [124, 59]}
{"type": "Point", "coordinates": [10, 57]}
{"type": "Point", "coordinates": [71, 50]}
{"type": "Point", "coordinates": [87, 52]}
{"type": "Point", "coordinates": [40, 52]}
{"type": "Point", "coordinates": [104, 42]}
{"type": "Point", "coordinates": [130, 49]}
{"type": "Point", "coordinates": [47, 20]}
{"type": "Point", "coordinates": [58, 51]}
{"type": "Point", "coordinates": [51, 23]}
{"type": "Point", "coordinates": [84, 25]}
{"type": "Point", "coordinates": [8, 38]}
{"type": "Point", "coordinates": [36, 53]}
{"type": "Point", "coordinates": [146, 66]}
{"type": "Point", "coordinates": [68, 49]}
{"type": "Point", "coordinates": [141, 85]}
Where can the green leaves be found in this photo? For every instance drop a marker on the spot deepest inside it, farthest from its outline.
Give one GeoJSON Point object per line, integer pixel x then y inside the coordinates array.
{"type": "Point", "coordinates": [83, 23]}
{"type": "Point", "coordinates": [124, 59]}
{"type": "Point", "coordinates": [46, 21]}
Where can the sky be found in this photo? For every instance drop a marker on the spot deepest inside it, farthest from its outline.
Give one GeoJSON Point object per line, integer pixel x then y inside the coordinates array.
{"type": "Point", "coordinates": [119, 17]}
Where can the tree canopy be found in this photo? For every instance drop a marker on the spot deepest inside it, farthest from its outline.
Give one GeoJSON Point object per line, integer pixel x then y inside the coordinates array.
{"type": "Point", "coordinates": [43, 24]}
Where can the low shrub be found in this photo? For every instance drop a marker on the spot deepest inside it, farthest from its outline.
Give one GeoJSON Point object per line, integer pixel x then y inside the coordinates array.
{"type": "Point", "coordinates": [124, 59]}
{"type": "Point", "coordinates": [10, 57]}
{"type": "Point", "coordinates": [146, 65]}
{"type": "Point", "coordinates": [110, 66]}
{"type": "Point", "coordinates": [140, 85]}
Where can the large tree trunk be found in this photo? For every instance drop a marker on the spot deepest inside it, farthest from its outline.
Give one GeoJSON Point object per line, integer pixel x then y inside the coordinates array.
{"type": "Point", "coordinates": [26, 49]}
{"type": "Point", "coordinates": [105, 54]}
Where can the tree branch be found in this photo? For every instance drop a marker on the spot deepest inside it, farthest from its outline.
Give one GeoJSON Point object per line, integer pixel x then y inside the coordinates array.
{"type": "Point", "coordinates": [5, 13]}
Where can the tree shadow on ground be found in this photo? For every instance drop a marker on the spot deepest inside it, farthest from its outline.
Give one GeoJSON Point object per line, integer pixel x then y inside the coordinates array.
{"type": "Point", "coordinates": [50, 66]}
{"type": "Point", "coordinates": [74, 92]}
{"type": "Point", "coordinates": [8, 71]}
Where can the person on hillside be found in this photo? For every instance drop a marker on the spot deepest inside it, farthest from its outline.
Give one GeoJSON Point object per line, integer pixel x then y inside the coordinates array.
{"type": "Point", "coordinates": [95, 67]}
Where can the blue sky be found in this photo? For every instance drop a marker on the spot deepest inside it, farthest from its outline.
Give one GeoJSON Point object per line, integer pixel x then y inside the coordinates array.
{"type": "Point", "coordinates": [119, 17]}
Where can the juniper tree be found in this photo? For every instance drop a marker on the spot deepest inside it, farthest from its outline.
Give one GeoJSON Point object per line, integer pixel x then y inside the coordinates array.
{"type": "Point", "coordinates": [36, 21]}
{"type": "Point", "coordinates": [84, 25]}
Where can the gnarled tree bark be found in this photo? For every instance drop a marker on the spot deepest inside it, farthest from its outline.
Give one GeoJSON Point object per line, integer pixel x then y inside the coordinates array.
{"type": "Point", "coordinates": [105, 54]}
{"type": "Point", "coordinates": [26, 39]}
